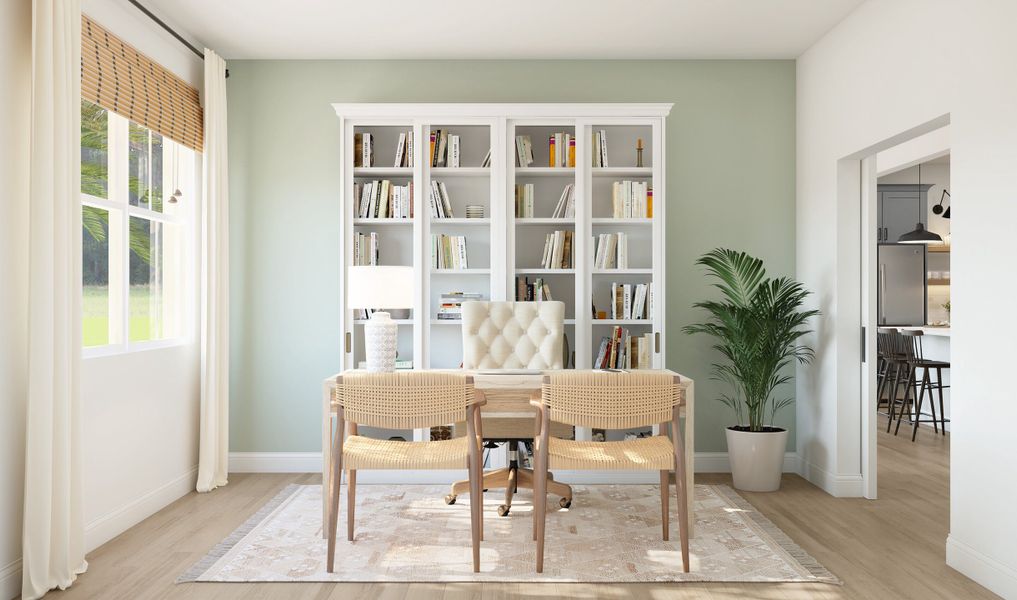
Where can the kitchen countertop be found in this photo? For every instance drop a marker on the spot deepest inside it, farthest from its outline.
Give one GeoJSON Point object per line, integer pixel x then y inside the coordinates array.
{"type": "Point", "coordinates": [931, 330]}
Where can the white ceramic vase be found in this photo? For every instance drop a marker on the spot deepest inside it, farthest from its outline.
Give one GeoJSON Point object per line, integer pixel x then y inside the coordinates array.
{"type": "Point", "coordinates": [380, 342]}
{"type": "Point", "coordinates": [757, 459]}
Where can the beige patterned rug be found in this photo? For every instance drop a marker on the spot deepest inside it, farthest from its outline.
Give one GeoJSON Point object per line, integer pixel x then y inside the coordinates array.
{"type": "Point", "coordinates": [407, 533]}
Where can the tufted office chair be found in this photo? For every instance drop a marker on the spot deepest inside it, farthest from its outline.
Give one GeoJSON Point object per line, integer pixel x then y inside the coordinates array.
{"type": "Point", "coordinates": [513, 335]}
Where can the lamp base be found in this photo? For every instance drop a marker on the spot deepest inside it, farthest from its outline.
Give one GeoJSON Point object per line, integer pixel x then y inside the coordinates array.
{"type": "Point", "coordinates": [380, 342]}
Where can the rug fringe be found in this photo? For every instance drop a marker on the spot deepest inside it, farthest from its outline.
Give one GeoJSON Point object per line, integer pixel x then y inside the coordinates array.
{"type": "Point", "coordinates": [779, 537]}
{"type": "Point", "coordinates": [199, 568]}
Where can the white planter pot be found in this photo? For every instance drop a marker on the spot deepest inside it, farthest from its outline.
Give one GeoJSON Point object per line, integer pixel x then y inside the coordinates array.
{"type": "Point", "coordinates": [757, 459]}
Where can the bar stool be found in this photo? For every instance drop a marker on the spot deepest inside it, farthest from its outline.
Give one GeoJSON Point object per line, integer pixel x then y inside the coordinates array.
{"type": "Point", "coordinates": [893, 366]}
{"type": "Point", "coordinates": [916, 360]}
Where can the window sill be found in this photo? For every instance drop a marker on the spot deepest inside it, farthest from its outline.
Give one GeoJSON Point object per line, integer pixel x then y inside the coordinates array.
{"type": "Point", "coordinates": [131, 348]}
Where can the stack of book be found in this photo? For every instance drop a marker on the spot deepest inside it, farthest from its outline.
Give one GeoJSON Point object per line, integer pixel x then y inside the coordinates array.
{"type": "Point", "coordinates": [612, 251]}
{"type": "Point", "coordinates": [445, 150]}
{"type": "Point", "coordinates": [474, 211]}
{"type": "Point", "coordinates": [558, 249]}
{"type": "Point", "coordinates": [384, 200]}
{"type": "Point", "coordinates": [624, 351]}
{"type": "Point", "coordinates": [524, 151]}
{"type": "Point", "coordinates": [600, 148]}
{"type": "Point", "coordinates": [441, 204]}
{"type": "Point", "coordinates": [404, 150]}
{"type": "Point", "coordinates": [631, 301]}
{"type": "Point", "coordinates": [561, 150]}
{"type": "Point", "coordinates": [631, 199]}
{"type": "Point", "coordinates": [363, 150]}
{"type": "Point", "coordinates": [566, 207]}
{"type": "Point", "coordinates": [451, 306]}
{"type": "Point", "coordinates": [524, 200]}
{"type": "Point", "coordinates": [448, 251]}
{"type": "Point", "coordinates": [530, 292]}
{"type": "Point", "coordinates": [365, 249]}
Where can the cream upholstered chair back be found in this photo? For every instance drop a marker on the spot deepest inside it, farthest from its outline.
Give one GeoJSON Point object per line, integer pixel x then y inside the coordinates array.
{"type": "Point", "coordinates": [611, 400]}
{"type": "Point", "coordinates": [409, 400]}
{"type": "Point", "coordinates": [513, 335]}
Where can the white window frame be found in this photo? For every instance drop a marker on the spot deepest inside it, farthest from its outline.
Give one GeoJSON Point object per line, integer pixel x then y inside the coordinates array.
{"type": "Point", "coordinates": [118, 203]}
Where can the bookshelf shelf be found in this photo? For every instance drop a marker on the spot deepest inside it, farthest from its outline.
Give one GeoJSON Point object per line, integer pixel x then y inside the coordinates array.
{"type": "Point", "coordinates": [622, 171]}
{"type": "Point", "coordinates": [501, 246]}
{"type": "Point", "coordinates": [383, 172]}
{"type": "Point", "coordinates": [545, 172]}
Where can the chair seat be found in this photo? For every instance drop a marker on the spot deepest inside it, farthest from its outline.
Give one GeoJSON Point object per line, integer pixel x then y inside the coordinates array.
{"type": "Point", "coordinates": [361, 452]}
{"type": "Point", "coordinates": [925, 362]}
{"type": "Point", "coordinates": [652, 453]}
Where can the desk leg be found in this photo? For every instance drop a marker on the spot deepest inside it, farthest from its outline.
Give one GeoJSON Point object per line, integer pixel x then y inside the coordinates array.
{"type": "Point", "coordinates": [326, 445]}
{"type": "Point", "coordinates": [690, 454]}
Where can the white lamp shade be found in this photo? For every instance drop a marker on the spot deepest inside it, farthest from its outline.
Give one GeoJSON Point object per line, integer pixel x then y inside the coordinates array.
{"type": "Point", "coordinates": [379, 287]}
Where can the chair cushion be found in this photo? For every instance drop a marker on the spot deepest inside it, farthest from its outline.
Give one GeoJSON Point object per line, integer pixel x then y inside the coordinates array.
{"type": "Point", "coordinates": [656, 453]}
{"type": "Point", "coordinates": [361, 452]}
{"type": "Point", "coordinates": [513, 335]}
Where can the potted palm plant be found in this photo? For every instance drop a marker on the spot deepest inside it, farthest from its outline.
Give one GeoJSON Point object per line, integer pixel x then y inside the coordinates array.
{"type": "Point", "coordinates": [755, 326]}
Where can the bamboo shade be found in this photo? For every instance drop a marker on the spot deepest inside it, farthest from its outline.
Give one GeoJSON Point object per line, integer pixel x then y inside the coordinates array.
{"type": "Point", "coordinates": [120, 79]}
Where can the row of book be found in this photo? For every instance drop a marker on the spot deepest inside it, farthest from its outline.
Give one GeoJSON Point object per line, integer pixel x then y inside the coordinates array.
{"type": "Point", "coordinates": [532, 292]}
{"type": "Point", "coordinates": [631, 301]}
{"type": "Point", "coordinates": [566, 207]}
{"type": "Point", "coordinates": [365, 249]}
{"type": "Point", "coordinates": [524, 200]}
{"type": "Point", "coordinates": [382, 199]}
{"type": "Point", "coordinates": [558, 250]}
{"type": "Point", "coordinates": [450, 307]}
{"type": "Point", "coordinates": [448, 251]}
{"type": "Point", "coordinates": [600, 148]}
{"type": "Point", "coordinates": [363, 150]}
{"type": "Point", "coordinates": [445, 149]}
{"type": "Point", "coordinates": [612, 251]}
{"type": "Point", "coordinates": [524, 151]}
{"type": "Point", "coordinates": [624, 351]}
{"type": "Point", "coordinates": [561, 150]}
{"type": "Point", "coordinates": [631, 199]}
{"type": "Point", "coordinates": [441, 203]}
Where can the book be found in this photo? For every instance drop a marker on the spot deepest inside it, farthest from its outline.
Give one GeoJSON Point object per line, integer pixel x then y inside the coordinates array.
{"type": "Point", "coordinates": [603, 148]}
{"type": "Point", "coordinates": [367, 150]}
{"type": "Point", "coordinates": [572, 152]}
{"type": "Point", "coordinates": [441, 154]}
{"type": "Point", "coordinates": [558, 249]}
{"type": "Point", "coordinates": [365, 249]}
{"type": "Point", "coordinates": [453, 152]}
{"type": "Point", "coordinates": [400, 150]}
{"type": "Point", "coordinates": [566, 207]}
{"type": "Point", "coordinates": [524, 151]}
{"type": "Point", "coordinates": [448, 252]}
{"type": "Point", "coordinates": [408, 156]}
{"type": "Point", "coordinates": [358, 149]}
{"type": "Point", "coordinates": [431, 154]}
{"type": "Point", "coordinates": [487, 159]}
{"type": "Point", "coordinates": [552, 154]}
{"type": "Point", "coordinates": [450, 307]}
{"type": "Point", "coordinates": [524, 200]}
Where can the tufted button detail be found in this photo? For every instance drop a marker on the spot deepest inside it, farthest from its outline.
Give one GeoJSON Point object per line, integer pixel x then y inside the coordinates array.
{"type": "Point", "coordinates": [513, 335]}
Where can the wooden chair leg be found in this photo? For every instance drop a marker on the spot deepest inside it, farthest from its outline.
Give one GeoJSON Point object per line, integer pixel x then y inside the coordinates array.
{"type": "Point", "coordinates": [908, 384]}
{"type": "Point", "coordinates": [921, 401]}
{"type": "Point", "coordinates": [333, 500]}
{"type": "Point", "coordinates": [942, 410]}
{"type": "Point", "coordinates": [540, 511]}
{"type": "Point", "coordinates": [665, 491]}
{"type": "Point", "coordinates": [681, 490]}
{"type": "Point", "coordinates": [351, 501]}
{"type": "Point", "coordinates": [893, 397]}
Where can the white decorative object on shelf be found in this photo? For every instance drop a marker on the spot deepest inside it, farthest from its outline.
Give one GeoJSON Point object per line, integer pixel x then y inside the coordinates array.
{"type": "Point", "coordinates": [372, 288]}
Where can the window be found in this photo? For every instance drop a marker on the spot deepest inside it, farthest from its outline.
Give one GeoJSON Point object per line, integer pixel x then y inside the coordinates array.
{"type": "Point", "coordinates": [137, 196]}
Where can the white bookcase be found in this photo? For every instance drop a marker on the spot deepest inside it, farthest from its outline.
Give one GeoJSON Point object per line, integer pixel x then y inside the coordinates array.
{"type": "Point", "coordinates": [501, 246]}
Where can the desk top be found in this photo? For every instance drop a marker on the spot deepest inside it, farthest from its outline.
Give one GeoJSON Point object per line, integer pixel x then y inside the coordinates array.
{"type": "Point", "coordinates": [520, 379]}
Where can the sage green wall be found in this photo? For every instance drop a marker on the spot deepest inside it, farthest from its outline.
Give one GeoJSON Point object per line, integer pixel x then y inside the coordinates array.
{"type": "Point", "coordinates": [730, 174]}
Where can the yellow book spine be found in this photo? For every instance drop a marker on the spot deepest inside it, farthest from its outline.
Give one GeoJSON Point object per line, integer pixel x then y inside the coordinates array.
{"type": "Point", "coordinates": [550, 152]}
{"type": "Point", "coordinates": [572, 153]}
{"type": "Point", "coordinates": [649, 204]}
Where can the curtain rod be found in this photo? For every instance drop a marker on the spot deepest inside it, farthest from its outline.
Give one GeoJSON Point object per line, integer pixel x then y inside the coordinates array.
{"type": "Point", "coordinates": [171, 31]}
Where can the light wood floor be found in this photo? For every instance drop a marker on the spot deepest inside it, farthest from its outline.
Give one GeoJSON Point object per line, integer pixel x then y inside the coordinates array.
{"type": "Point", "coordinates": [889, 548]}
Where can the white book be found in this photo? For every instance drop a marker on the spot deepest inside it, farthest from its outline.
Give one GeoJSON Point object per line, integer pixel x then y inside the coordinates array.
{"type": "Point", "coordinates": [528, 194]}
{"type": "Point", "coordinates": [616, 192]}
{"type": "Point", "coordinates": [623, 251]}
{"type": "Point", "coordinates": [366, 158]}
{"type": "Point", "coordinates": [596, 149]}
{"type": "Point", "coordinates": [463, 263]}
{"type": "Point", "coordinates": [400, 149]}
{"type": "Point", "coordinates": [570, 210]}
{"type": "Point", "coordinates": [614, 301]}
{"type": "Point", "coordinates": [453, 160]}
{"type": "Point", "coordinates": [603, 148]}
{"type": "Point", "coordinates": [446, 202]}
{"type": "Point", "coordinates": [408, 159]}
{"type": "Point", "coordinates": [627, 301]}
{"type": "Point", "coordinates": [627, 197]}
{"type": "Point", "coordinates": [386, 190]}
{"type": "Point", "coordinates": [544, 258]}
{"type": "Point", "coordinates": [435, 201]}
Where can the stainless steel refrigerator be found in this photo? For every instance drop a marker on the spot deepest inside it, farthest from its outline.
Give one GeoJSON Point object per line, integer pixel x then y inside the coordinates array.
{"type": "Point", "coordinates": [901, 285]}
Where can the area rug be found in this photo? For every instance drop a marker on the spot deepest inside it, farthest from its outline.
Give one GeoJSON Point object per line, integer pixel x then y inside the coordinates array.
{"type": "Point", "coordinates": [611, 533]}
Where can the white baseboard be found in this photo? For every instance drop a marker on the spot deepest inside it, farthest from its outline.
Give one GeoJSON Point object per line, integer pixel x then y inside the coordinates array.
{"type": "Point", "coordinates": [838, 486]}
{"type": "Point", "coordinates": [985, 571]}
{"type": "Point", "coordinates": [10, 580]}
{"type": "Point", "coordinates": [310, 462]}
{"type": "Point", "coordinates": [108, 526]}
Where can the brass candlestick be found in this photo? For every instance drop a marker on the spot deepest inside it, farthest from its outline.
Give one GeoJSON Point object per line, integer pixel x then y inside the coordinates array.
{"type": "Point", "coordinates": [639, 152]}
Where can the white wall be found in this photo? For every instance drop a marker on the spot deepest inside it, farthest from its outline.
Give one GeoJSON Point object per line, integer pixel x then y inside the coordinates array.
{"type": "Point", "coordinates": [15, 72]}
{"type": "Point", "coordinates": [890, 67]}
{"type": "Point", "coordinates": [140, 409]}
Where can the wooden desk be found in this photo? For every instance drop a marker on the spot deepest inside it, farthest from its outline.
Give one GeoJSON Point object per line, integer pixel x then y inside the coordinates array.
{"type": "Point", "coordinates": [508, 414]}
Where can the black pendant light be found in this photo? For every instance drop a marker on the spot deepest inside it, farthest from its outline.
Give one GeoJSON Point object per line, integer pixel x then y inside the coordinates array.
{"type": "Point", "coordinates": [920, 235]}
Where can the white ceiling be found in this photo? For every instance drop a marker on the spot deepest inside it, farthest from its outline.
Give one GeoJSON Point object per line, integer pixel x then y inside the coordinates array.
{"type": "Point", "coordinates": [493, 29]}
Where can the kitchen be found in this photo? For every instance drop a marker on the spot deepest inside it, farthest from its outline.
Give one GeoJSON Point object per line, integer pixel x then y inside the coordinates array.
{"type": "Point", "coordinates": [913, 279]}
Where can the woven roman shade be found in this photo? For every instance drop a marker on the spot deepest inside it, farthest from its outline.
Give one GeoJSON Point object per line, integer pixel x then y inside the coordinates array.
{"type": "Point", "coordinates": [120, 79]}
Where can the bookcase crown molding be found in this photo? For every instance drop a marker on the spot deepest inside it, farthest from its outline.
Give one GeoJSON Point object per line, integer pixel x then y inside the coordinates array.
{"type": "Point", "coordinates": [416, 110]}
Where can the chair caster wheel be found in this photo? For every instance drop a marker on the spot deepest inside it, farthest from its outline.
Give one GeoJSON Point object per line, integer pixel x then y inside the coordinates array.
{"type": "Point", "coordinates": [503, 510]}
{"type": "Point", "coordinates": [565, 502]}
{"type": "Point", "coordinates": [450, 499]}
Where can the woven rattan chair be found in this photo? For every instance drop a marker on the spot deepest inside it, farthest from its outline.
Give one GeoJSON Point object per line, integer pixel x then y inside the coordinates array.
{"type": "Point", "coordinates": [407, 400]}
{"type": "Point", "coordinates": [612, 401]}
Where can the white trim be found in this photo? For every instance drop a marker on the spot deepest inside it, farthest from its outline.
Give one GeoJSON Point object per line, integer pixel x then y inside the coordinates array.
{"type": "Point", "coordinates": [838, 486]}
{"type": "Point", "coordinates": [10, 580]}
{"type": "Point", "coordinates": [108, 526]}
{"type": "Point", "coordinates": [414, 110]}
{"type": "Point", "coordinates": [310, 462]}
{"type": "Point", "coordinates": [986, 571]}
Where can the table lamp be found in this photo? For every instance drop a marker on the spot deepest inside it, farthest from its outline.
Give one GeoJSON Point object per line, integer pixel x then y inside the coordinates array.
{"type": "Point", "coordinates": [372, 287]}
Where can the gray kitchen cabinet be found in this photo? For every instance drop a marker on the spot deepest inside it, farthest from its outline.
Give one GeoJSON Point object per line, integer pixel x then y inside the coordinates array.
{"type": "Point", "coordinates": [899, 208]}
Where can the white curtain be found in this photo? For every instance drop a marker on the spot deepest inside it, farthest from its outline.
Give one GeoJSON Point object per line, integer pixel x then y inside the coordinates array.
{"type": "Point", "coordinates": [213, 450]}
{"type": "Point", "coordinates": [53, 534]}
